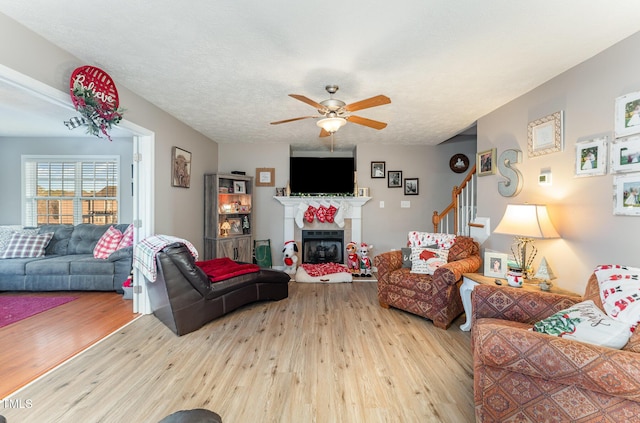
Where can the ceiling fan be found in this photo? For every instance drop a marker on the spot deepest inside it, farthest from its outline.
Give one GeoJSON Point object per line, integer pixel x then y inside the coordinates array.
{"type": "Point", "coordinates": [335, 113]}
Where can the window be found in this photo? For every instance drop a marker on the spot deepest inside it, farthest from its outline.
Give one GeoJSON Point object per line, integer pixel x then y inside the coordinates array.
{"type": "Point", "coordinates": [70, 189]}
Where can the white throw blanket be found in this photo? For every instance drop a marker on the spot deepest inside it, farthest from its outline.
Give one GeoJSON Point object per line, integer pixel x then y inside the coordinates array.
{"type": "Point", "coordinates": [144, 253]}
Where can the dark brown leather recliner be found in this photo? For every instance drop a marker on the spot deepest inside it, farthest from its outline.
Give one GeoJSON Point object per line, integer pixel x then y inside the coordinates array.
{"type": "Point", "coordinates": [184, 299]}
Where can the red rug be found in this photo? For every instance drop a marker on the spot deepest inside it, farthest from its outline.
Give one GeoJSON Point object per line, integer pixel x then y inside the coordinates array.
{"type": "Point", "coordinates": [14, 308]}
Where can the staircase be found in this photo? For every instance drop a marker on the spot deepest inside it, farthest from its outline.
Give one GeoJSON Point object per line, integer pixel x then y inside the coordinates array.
{"type": "Point", "coordinates": [457, 218]}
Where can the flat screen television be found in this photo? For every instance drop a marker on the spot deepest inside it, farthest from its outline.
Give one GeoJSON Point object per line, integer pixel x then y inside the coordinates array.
{"type": "Point", "coordinates": [321, 175]}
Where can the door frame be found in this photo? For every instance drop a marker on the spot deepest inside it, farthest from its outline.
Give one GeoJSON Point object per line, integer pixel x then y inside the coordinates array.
{"type": "Point", "coordinates": [143, 168]}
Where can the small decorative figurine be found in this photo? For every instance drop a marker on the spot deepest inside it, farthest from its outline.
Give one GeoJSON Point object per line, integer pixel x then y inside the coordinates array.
{"type": "Point", "coordinates": [353, 262]}
{"type": "Point", "coordinates": [290, 259]}
{"type": "Point", "coordinates": [365, 260]}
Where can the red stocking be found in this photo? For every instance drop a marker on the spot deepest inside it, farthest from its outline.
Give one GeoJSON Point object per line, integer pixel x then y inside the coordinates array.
{"type": "Point", "coordinates": [310, 214]}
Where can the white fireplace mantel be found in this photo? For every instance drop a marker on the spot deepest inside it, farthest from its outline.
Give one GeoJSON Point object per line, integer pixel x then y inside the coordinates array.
{"type": "Point", "coordinates": [352, 210]}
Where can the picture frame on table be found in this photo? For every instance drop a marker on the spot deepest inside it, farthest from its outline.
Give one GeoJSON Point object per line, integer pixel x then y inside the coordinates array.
{"type": "Point", "coordinates": [626, 194]}
{"type": "Point", "coordinates": [180, 167]}
{"type": "Point", "coordinates": [591, 157]}
{"type": "Point", "coordinates": [377, 170]}
{"type": "Point", "coordinates": [627, 115]}
{"type": "Point", "coordinates": [411, 186]}
{"type": "Point", "coordinates": [486, 161]}
{"type": "Point", "coordinates": [236, 225]}
{"type": "Point", "coordinates": [239, 187]}
{"type": "Point", "coordinates": [624, 154]}
{"type": "Point", "coordinates": [394, 179]}
{"type": "Point", "coordinates": [545, 135]}
{"type": "Point", "coordinates": [495, 264]}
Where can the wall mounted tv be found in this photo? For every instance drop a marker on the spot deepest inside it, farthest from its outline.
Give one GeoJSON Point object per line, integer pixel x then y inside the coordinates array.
{"type": "Point", "coordinates": [321, 175]}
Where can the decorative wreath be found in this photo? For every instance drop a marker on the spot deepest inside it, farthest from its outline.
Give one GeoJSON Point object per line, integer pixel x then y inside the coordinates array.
{"type": "Point", "coordinates": [95, 97]}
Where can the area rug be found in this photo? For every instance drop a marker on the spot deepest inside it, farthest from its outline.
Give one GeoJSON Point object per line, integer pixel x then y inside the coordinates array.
{"type": "Point", "coordinates": [14, 308]}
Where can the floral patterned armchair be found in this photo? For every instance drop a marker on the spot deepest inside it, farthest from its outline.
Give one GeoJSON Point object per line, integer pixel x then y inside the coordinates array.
{"type": "Point", "coordinates": [437, 296]}
{"type": "Point", "coordinates": [522, 375]}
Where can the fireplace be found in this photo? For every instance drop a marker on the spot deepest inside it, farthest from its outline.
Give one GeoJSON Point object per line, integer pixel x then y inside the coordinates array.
{"type": "Point", "coordinates": [322, 246]}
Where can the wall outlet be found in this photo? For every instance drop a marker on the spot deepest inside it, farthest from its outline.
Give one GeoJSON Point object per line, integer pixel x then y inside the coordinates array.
{"type": "Point", "coordinates": [382, 204]}
{"type": "Point", "coordinates": [405, 204]}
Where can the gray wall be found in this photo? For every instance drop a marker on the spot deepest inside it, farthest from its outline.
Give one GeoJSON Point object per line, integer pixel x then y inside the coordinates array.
{"type": "Point", "coordinates": [12, 149]}
{"type": "Point", "coordinates": [384, 228]}
{"type": "Point", "coordinates": [581, 208]}
{"type": "Point", "coordinates": [177, 211]}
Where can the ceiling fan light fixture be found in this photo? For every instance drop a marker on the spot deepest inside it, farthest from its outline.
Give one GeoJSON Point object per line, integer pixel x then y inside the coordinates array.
{"type": "Point", "coordinates": [331, 124]}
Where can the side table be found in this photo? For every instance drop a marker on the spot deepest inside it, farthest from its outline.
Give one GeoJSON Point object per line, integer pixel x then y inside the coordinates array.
{"type": "Point", "coordinates": [470, 280]}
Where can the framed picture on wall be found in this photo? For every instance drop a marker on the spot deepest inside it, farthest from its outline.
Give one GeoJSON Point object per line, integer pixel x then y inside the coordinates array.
{"type": "Point", "coordinates": [627, 114]}
{"type": "Point", "coordinates": [591, 157]}
{"type": "Point", "coordinates": [411, 186]}
{"type": "Point", "coordinates": [625, 154]}
{"type": "Point", "coordinates": [626, 194]}
{"type": "Point", "coordinates": [377, 170]}
{"type": "Point", "coordinates": [181, 168]}
{"type": "Point", "coordinates": [486, 161]}
{"type": "Point", "coordinates": [394, 179]}
{"type": "Point", "coordinates": [545, 135]}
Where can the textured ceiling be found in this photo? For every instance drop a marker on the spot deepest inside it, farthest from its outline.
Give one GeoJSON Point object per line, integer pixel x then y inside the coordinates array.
{"type": "Point", "coordinates": [225, 67]}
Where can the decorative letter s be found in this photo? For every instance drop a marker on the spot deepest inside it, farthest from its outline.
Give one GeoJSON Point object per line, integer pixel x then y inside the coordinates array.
{"type": "Point", "coordinates": [512, 186]}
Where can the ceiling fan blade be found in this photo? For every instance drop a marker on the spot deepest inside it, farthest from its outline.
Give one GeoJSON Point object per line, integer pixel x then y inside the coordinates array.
{"type": "Point", "coordinates": [308, 101]}
{"type": "Point", "coordinates": [367, 122]}
{"type": "Point", "coordinates": [324, 133]}
{"type": "Point", "coordinates": [292, 120]}
{"type": "Point", "coordinates": [378, 100]}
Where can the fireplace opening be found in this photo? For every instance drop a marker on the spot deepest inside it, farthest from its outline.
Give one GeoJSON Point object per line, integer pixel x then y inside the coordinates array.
{"type": "Point", "coordinates": [322, 246]}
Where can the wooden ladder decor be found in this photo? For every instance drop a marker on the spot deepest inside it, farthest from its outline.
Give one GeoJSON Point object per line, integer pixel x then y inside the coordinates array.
{"type": "Point", "coordinates": [462, 209]}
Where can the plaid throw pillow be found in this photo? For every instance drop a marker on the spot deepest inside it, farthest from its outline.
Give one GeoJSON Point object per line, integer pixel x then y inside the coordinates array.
{"type": "Point", "coordinates": [107, 243]}
{"type": "Point", "coordinates": [23, 245]}
{"type": "Point", "coordinates": [127, 238]}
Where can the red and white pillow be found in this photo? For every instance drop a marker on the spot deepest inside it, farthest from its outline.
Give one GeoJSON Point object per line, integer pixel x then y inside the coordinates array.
{"type": "Point", "coordinates": [127, 238]}
{"type": "Point", "coordinates": [108, 243]}
{"type": "Point", "coordinates": [620, 292]}
{"type": "Point", "coordinates": [427, 260]}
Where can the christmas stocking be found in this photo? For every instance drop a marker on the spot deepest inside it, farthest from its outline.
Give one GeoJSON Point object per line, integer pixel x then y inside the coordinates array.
{"type": "Point", "coordinates": [321, 214]}
{"type": "Point", "coordinates": [339, 217]}
{"type": "Point", "coordinates": [310, 214]}
{"type": "Point", "coordinates": [331, 212]}
{"type": "Point", "coordinates": [300, 214]}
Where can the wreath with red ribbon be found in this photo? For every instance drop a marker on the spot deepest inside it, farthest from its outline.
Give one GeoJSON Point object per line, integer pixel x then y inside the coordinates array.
{"type": "Point", "coordinates": [95, 97]}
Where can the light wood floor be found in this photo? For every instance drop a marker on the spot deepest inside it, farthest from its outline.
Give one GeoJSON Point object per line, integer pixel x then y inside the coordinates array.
{"type": "Point", "coordinates": [33, 346]}
{"type": "Point", "coordinates": [328, 353]}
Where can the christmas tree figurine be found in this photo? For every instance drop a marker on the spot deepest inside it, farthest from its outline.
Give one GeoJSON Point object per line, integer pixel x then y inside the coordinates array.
{"type": "Point", "coordinates": [545, 274]}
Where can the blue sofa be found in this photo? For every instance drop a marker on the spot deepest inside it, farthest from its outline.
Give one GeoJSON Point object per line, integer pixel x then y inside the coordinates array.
{"type": "Point", "coordinates": [68, 263]}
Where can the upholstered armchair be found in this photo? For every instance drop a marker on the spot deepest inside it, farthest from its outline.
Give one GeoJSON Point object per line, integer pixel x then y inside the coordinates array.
{"type": "Point", "coordinates": [522, 375]}
{"type": "Point", "coordinates": [437, 296]}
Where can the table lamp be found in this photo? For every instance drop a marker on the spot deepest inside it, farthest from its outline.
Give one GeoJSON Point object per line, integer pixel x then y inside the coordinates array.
{"type": "Point", "coordinates": [526, 222]}
{"type": "Point", "coordinates": [226, 226]}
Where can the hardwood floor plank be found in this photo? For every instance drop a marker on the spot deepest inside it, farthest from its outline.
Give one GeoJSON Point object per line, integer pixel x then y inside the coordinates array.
{"type": "Point", "coordinates": [328, 353]}
{"type": "Point", "coordinates": [37, 344]}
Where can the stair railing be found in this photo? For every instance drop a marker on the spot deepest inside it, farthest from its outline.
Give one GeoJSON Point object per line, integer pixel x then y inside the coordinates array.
{"type": "Point", "coordinates": [462, 211]}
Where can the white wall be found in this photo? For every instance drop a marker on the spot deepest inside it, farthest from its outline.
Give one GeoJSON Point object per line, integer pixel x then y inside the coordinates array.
{"type": "Point", "coordinates": [581, 208]}
{"type": "Point", "coordinates": [177, 211]}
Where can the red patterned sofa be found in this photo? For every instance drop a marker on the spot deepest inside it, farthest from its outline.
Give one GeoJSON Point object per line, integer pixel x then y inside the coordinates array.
{"type": "Point", "coordinates": [437, 296]}
{"type": "Point", "coordinates": [525, 376]}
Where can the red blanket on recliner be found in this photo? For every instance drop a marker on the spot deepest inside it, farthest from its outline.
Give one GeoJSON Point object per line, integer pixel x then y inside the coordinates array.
{"type": "Point", "coordinates": [219, 269]}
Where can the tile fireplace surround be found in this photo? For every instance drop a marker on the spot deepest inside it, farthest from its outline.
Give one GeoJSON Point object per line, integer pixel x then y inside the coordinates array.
{"type": "Point", "coordinates": [352, 216]}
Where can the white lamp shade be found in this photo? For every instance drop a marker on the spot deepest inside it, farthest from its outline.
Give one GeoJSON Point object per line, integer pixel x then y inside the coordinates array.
{"type": "Point", "coordinates": [527, 221]}
{"type": "Point", "coordinates": [332, 124]}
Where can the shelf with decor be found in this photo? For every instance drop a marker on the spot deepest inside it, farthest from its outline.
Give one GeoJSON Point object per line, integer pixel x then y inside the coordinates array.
{"type": "Point", "coordinates": [228, 216]}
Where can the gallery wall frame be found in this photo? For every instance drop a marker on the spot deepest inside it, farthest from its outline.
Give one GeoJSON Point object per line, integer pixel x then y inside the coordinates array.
{"type": "Point", "coordinates": [627, 114]}
{"type": "Point", "coordinates": [411, 186]}
{"type": "Point", "coordinates": [265, 177]}
{"type": "Point", "coordinates": [487, 162]}
{"type": "Point", "coordinates": [591, 157]}
{"type": "Point", "coordinates": [378, 170]}
{"type": "Point", "coordinates": [545, 135]}
{"type": "Point", "coordinates": [626, 194]}
{"type": "Point", "coordinates": [624, 154]}
{"type": "Point", "coordinates": [394, 179]}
